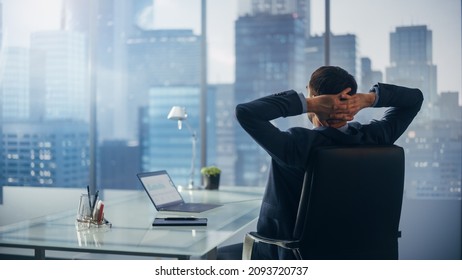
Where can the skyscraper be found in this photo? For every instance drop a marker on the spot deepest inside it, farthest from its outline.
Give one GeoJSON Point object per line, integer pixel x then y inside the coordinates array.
{"type": "Point", "coordinates": [116, 22]}
{"type": "Point", "coordinates": [269, 59]}
{"type": "Point", "coordinates": [433, 162]}
{"type": "Point", "coordinates": [369, 77]}
{"type": "Point", "coordinates": [75, 15]}
{"type": "Point", "coordinates": [163, 145]}
{"type": "Point", "coordinates": [67, 94]}
{"type": "Point", "coordinates": [344, 53]}
{"type": "Point", "coordinates": [411, 63]}
{"type": "Point", "coordinates": [224, 146]}
{"type": "Point", "coordinates": [125, 27]}
{"type": "Point", "coordinates": [119, 162]}
{"type": "Point", "coordinates": [165, 72]}
{"type": "Point", "coordinates": [432, 142]}
{"type": "Point", "coordinates": [45, 112]}
{"type": "Point", "coordinates": [22, 87]}
{"type": "Point", "coordinates": [159, 58]}
{"type": "Point", "coordinates": [15, 97]}
{"type": "Point", "coordinates": [52, 153]}
{"type": "Point", "coordinates": [298, 8]}
{"type": "Point", "coordinates": [449, 103]}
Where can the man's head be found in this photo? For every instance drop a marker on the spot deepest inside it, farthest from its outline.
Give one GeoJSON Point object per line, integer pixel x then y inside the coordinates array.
{"type": "Point", "coordinates": [330, 80]}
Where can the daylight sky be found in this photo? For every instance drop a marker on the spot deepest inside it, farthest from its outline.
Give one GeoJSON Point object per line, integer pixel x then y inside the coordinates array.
{"type": "Point", "coordinates": [371, 20]}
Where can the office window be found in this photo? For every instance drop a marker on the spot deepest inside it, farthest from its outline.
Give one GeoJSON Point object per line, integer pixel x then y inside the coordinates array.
{"type": "Point", "coordinates": [146, 57]}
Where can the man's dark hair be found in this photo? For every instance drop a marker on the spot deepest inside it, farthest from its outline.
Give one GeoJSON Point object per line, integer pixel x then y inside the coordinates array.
{"type": "Point", "coordinates": [332, 80]}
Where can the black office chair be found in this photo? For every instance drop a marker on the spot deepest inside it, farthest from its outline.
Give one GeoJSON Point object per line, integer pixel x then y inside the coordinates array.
{"type": "Point", "coordinates": [350, 206]}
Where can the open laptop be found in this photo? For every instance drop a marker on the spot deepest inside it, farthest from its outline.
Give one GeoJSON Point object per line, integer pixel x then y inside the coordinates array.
{"type": "Point", "coordinates": [164, 195]}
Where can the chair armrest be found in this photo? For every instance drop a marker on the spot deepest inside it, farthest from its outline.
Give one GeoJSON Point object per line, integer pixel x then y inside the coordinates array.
{"type": "Point", "coordinates": [252, 237]}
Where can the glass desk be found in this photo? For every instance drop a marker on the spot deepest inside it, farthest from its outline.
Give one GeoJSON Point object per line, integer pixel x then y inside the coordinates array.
{"type": "Point", "coordinates": [131, 214]}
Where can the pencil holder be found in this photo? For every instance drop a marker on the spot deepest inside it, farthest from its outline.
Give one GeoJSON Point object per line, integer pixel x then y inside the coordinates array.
{"type": "Point", "coordinates": [90, 214]}
{"type": "Point", "coordinates": [84, 209]}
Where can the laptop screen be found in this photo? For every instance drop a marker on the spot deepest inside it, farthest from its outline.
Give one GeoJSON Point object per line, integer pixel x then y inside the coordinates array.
{"type": "Point", "coordinates": [160, 188]}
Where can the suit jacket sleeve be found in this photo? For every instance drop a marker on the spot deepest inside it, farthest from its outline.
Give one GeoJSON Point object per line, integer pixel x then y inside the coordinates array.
{"type": "Point", "coordinates": [255, 117]}
{"type": "Point", "coordinates": [404, 105]}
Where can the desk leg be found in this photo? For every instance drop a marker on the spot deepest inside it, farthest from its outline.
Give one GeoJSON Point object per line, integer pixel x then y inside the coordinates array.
{"type": "Point", "coordinates": [39, 254]}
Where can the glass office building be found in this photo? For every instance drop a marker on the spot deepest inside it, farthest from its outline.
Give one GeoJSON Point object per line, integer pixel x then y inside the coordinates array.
{"type": "Point", "coordinates": [269, 59]}
{"type": "Point", "coordinates": [411, 63]}
{"type": "Point", "coordinates": [432, 160]}
{"type": "Point", "coordinates": [44, 154]}
{"type": "Point", "coordinates": [119, 162]}
{"type": "Point", "coordinates": [159, 58]}
{"type": "Point", "coordinates": [66, 83]}
{"type": "Point", "coordinates": [369, 76]}
{"type": "Point", "coordinates": [163, 145]}
{"type": "Point", "coordinates": [45, 137]}
{"type": "Point", "coordinates": [15, 84]}
{"type": "Point", "coordinates": [344, 53]}
{"type": "Point", "coordinates": [224, 145]}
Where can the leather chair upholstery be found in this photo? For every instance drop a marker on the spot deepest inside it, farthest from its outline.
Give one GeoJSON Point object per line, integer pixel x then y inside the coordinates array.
{"type": "Point", "coordinates": [350, 205]}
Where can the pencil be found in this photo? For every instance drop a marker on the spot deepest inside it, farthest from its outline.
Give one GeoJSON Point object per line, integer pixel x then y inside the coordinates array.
{"type": "Point", "coordinates": [94, 201]}
{"type": "Point", "coordinates": [89, 197]}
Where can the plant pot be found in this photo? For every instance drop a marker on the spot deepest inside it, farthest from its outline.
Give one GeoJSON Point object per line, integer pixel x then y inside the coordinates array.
{"type": "Point", "coordinates": [212, 182]}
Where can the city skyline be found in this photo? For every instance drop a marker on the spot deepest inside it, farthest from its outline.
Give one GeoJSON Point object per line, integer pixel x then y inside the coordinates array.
{"type": "Point", "coordinates": [438, 16]}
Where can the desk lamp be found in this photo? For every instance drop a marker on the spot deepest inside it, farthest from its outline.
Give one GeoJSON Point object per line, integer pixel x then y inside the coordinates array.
{"type": "Point", "coordinates": [179, 114]}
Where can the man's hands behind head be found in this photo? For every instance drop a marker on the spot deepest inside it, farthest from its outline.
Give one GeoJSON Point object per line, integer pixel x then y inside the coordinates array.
{"type": "Point", "coordinates": [335, 107]}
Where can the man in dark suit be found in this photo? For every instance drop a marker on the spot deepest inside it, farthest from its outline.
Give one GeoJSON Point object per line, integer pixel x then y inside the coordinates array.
{"type": "Point", "coordinates": [331, 103]}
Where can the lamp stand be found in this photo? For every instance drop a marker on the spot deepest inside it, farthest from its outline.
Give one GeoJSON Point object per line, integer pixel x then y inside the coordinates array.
{"type": "Point", "coordinates": [193, 160]}
{"type": "Point", "coordinates": [191, 184]}
{"type": "Point", "coordinates": [179, 113]}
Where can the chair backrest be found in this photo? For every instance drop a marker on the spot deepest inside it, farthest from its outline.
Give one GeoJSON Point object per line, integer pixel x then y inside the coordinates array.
{"type": "Point", "coordinates": [351, 203]}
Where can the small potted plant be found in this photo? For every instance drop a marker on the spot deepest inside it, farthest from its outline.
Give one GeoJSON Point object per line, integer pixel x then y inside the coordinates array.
{"type": "Point", "coordinates": [211, 176]}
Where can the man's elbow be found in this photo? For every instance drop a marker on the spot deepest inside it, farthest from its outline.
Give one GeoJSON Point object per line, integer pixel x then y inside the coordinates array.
{"type": "Point", "coordinates": [239, 111]}
{"type": "Point", "coordinates": [420, 95]}
{"type": "Point", "coordinates": [420, 98]}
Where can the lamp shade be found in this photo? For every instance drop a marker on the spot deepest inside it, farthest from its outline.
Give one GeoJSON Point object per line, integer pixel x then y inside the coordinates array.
{"type": "Point", "coordinates": [177, 113]}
